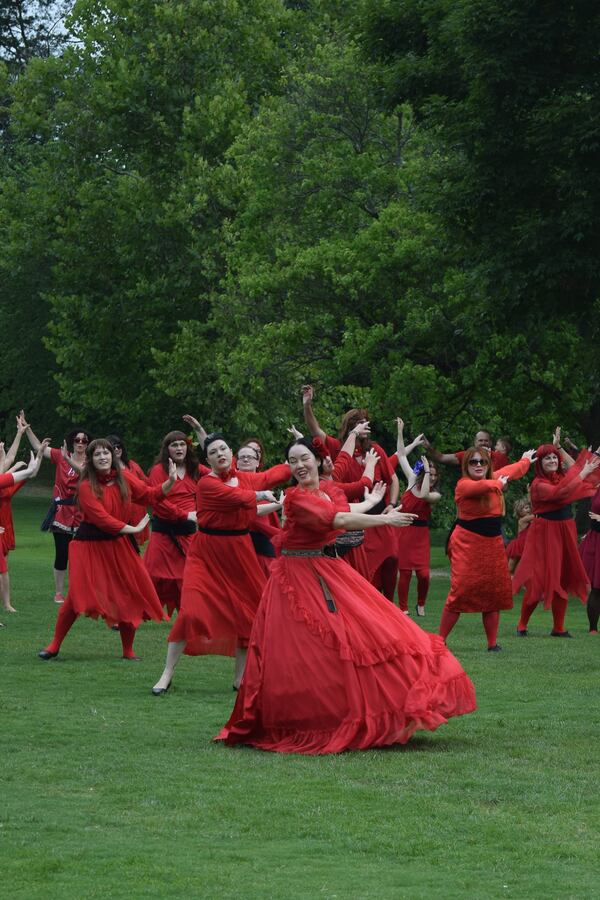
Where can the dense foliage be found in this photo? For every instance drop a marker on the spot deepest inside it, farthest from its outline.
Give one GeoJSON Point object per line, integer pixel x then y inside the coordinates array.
{"type": "Point", "coordinates": [206, 203]}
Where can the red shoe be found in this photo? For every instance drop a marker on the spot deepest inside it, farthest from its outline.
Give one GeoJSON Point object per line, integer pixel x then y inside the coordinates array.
{"type": "Point", "coordinates": [58, 597]}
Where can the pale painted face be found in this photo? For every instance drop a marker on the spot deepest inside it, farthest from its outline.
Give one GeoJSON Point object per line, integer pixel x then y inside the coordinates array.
{"type": "Point", "coordinates": [477, 467]}
{"type": "Point", "coordinates": [550, 463]}
{"type": "Point", "coordinates": [102, 459]}
{"type": "Point", "coordinates": [219, 457]}
{"type": "Point", "coordinates": [303, 465]}
{"type": "Point", "coordinates": [178, 451]}
{"type": "Point", "coordinates": [247, 459]}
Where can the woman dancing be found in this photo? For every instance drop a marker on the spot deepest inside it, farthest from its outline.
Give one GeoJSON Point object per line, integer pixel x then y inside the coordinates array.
{"type": "Point", "coordinates": [223, 581]}
{"type": "Point", "coordinates": [265, 527]}
{"type": "Point", "coordinates": [413, 544]}
{"type": "Point", "coordinates": [63, 517]}
{"type": "Point", "coordinates": [332, 665]}
{"type": "Point", "coordinates": [550, 567]}
{"type": "Point", "coordinates": [479, 578]}
{"type": "Point", "coordinates": [589, 550]}
{"type": "Point", "coordinates": [122, 457]}
{"type": "Point", "coordinates": [107, 577]}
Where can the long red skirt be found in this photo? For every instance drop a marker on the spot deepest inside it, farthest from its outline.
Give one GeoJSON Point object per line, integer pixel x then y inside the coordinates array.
{"type": "Point", "coordinates": [413, 548]}
{"type": "Point", "coordinates": [165, 564]}
{"type": "Point", "coordinates": [379, 544]}
{"type": "Point", "coordinates": [107, 579]}
{"type": "Point", "coordinates": [479, 577]}
{"type": "Point", "coordinates": [357, 558]}
{"type": "Point", "coordinates": [363, 676]}
{"type": "Point", "coordinates": [589, 550]}
{"type": "Point", "coordinates": [222, 587]}
{"type": "Point", "coordinates": [551, 563]}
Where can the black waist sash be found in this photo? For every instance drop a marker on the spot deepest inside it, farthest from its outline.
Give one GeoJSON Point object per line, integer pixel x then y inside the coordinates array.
{"type": "Point", "coordinates": [489, 526]}
{"type": "Point", "coordinates": [224, 532]}
{"type": "Point", "coordinates": [262, 544]}
{"type": "Point", "coordinates": [595, 526]}
{"type": "Point", "coordinates": [557, 515]}
{"type": "Point", "coordinates": [90, 532]}
{"type": "Point", "coordinates": [421, 523]}
{"type": "Point", "coordinates": [50, 515]}
{"type": "Point", "coordinates": [180, 526]}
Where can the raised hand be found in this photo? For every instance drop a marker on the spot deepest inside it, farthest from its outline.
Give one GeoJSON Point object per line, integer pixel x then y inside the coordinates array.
{"type": "Point", "coordinates": [529, 454]}
{"type": "Point", "coordinates": [192, 422]}
{"type": "Point", "coordinates": [590, 466]}
{"type": "Point", "coordinates": [556, 436]}
{"type": "Point", "coordinates": [376, 494]}
{"type": "Point", "coordinates": [295, 433]}
{"type": "Point", "coordinates": [308, 394]}
{"type": "Point", "coordinates": [372, 456]}
{"type": "Point", "coordinates": [400, 424]}
{"type": "Point", "coordinates": [362, 430]}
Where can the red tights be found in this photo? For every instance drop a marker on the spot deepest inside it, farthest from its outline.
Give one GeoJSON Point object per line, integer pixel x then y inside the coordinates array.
{"type": "Point", "coordinates": [384, 579]}
{"type": "Point", "coordinates": [491, 621]}
{"type": "Point", "coordinates": [404, 584]}
{"type": "Point", "coordinates": [65, 620]}
{"type": "Point", "coordinates": [559, 610]}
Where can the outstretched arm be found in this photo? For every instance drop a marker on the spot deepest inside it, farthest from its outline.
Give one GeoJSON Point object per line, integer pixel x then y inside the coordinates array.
{"type": "Point", "coordinates": [14, 447]}
{"type": "Point", "coordinates": [33, 440]}
{"type": "Point", "coordinates": [309, 416]}
{"type": "Point", "coordinates": [199, 431]}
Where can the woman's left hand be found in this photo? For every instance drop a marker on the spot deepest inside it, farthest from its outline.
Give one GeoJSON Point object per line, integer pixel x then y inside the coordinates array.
{"type": "Point", "coordinates": [530, 455]}
{"type": "Point", "coordinates": [376, 494]}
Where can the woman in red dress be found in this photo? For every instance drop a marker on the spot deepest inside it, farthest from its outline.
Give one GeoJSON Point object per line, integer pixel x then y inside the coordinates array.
{"type": "Point", "coordinates": [265, 527]}
{"type": "Point", "coordinates": [173, 518]}
{"type": "Point", "coordinates": [332, 665]}
{"type": "Point", "coordinates": [413, 544]}
{"type": "Point", "coordinates": [10, 483]}
{"type": "Point", "coordinates": [63, 517]}
{"type": "Point", "coordinates": [223, 581]}
{"type": "Point", "coordinates": [551, 568]}
{"type": "Point", "coordinates": [589, 550]}
{"type": "Point", "coordinates": [137, 511]}
{"type": "Point", "coordinates": [479, 579]}
{"type": "Point", "coordinates": [107, 577]}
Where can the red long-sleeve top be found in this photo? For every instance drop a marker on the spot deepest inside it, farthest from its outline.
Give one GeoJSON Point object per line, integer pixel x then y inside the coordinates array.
{"type": "Point", "coordinates": [227, 507]}
{"type": "Point", "coordinates": [477, 499]}
{"type": "Point", "coordinates": [546, 496]}
{"type": "Point", "coordinates": [111, 512]}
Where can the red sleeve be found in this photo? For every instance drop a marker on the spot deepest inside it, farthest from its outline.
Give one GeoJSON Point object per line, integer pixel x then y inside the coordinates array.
{"type": "Point", "coordinates": [6, 480]}
{"type": "Point", "coordinates": [354, 490]}
{"type": "Point", "coordinates": [514, 470]}
{"type": "Point", "coordinates": [270, 478]}
{"type": "Point", "coordinates": [309, 510]}
{"type": "Point", "coordinates": [332, 445]}
{"type": "Point", "coordinates": [144, 494]}
{"type": "Point", "coordinates": [468, 487]}
{"type": "Point", "coordinates": [393, 460]}
{"type": "Point", "coordinates": [340, 466]}
{"type": "Point", "coordinates": [213, 495]}
{"type": "Point", "coordinates": [499, 460]}
{"type": "Point", "coordinates": [95, 512]}
{"type": "Point", "coordinates": [55, 456]}
{"type": "Point", "coordinates": [459, 455]}
{"type": "Point", "coordinates": [163, 507]}
{"type": "Point", "coordinates": [570, 488]}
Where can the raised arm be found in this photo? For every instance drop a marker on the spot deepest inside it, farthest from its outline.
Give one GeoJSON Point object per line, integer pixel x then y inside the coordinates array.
{"type": "Point", "coordinates": [566, 459]}
{"type": "Point", "coordinates": [33, 467]}
{"type": "Point", "coordinates": [14, 447]}
{"type": "Point", "coordinates": [33, 440]}
{"type": "Point", "coordinates": [402, 455]}
{"type": "Point", "coordinates": [449, 459]}
{"type": "Point", "coordinates": [199, 431]}
{"type": "Point", "coordinates": [309, 416]}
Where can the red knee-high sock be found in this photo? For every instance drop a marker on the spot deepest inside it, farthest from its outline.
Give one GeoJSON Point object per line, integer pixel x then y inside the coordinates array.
{"type": "Point", "coordinates": [422, 586]}
{"type": "Point", "coordinates": [447, 622]}
{"type": "Point", "coordinates": [491, 621]}
{"type": "Point", "coordinates": [527, 608]}
{"type": "Point", "coordinates": [388, 571]}
{"type": "Point", "coordinates": [127, 632]}
{"type": "Point", "coordinates": [403, 586]}
{"type": "Point", "coordinates": [64, 621]}
{"type": "Point", "coordinates": [559, 609]}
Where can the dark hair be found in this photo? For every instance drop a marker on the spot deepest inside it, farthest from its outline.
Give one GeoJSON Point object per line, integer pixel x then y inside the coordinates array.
{"type": "Point", "coordinates": [506, 442]}
{"type": "Point", "coordinates": [350, 420]}
{"type": "Point", "coordinates": [70, 438]}
{"type": "Point", "coordinates": [421, 475]}
{"type": "Point", "coordinates": [89, 473]}
{"type": "Point", "coordinates": [487, 461]}
{"type": "Point", "coordinates": [117, 441]}
{"type": "Point", "coordinates": [248, 447]}
{"type": "Point", "coordinates": [190, 459]}
{"type": "Point", "coordinates": [211, 438]}
{"type": "Point", "coordinates": [304, 442]}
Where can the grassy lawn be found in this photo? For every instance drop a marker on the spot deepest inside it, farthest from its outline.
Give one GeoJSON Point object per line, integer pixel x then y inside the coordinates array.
{"type": "Point", "coordinates": [110, 792]}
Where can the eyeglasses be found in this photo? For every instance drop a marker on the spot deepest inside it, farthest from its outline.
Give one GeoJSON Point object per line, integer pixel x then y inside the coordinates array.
{"type": "Point", "coordinates": [248, 458]}
{"type": "Point", "coordinates": [80, 441]}
{"type": "Point", "coordinates": [477, 462]}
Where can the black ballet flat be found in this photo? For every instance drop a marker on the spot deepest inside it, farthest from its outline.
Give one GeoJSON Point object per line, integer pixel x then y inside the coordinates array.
{"type": "Point", "coordinates": [235, 689]}
{"type": "Point", "coordinates": [522, 632]}
{"type": "Point", "coordinates": [158, 692]}
{"type": "Point", "coordinates": [495, 649]}
{"type": "Point", "coordinates": [47, 654]}
{"type": "Point", "coordinates": [563, 634]}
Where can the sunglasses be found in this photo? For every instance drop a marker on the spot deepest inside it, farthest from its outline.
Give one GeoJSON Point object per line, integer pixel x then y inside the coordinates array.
{"type": "Point", "coordinates": [80, 441]}
{"type": "Point", "coordinates": [477, 462]}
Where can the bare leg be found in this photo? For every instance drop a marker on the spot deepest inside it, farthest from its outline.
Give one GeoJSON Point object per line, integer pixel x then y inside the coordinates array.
{"type": "Point", "coordinates": [240, 664]}
{"type": "Point", "coordinates": [60, 576]}
{"type": "Point", "coordinates": [5, 593]}
{"type": "Point", "coordinates": [174, 651]}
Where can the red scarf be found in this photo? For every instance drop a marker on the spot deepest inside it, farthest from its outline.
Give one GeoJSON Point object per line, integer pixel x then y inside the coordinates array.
{"type": "Point", "coordinates": [552, 477]}
{"type": "Point", "coordinates": [106, 477]}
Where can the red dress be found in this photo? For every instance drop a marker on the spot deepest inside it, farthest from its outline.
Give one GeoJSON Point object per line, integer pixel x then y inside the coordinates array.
{"type": "Point", "coordinates": [589, 548]}
{"type": "Point", "coordinates": [354, 491]}
{"type": "Point", "coordinates": [413, 545]}
{"type": "Point", "coordinates": [515, 548]}
{"type": "Point", "coordinates": [551, 563]}
{"type": "Point", "coordinates": [479, 577]}
{"type": "Point", "coordinates": [7, 537]}
{"type": "Point", "coordinates": [332, 665]}
{"type": "Point", "coordinates": [137, 510]}
{"type": "Point", "coordinates": [223, 580]}
{"type": "Point", "coordinates": [107, 578]}
{"type": "Point", "coordinates": [66, 516]}
{"type": "Point", "coordinates": [166, 553]}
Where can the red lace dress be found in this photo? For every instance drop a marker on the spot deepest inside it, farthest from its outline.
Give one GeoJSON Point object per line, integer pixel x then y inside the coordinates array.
{"type": "Point", "coordinates": [332, 665]}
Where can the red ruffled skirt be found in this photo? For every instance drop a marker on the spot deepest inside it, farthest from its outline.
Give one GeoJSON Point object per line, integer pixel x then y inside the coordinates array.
{"type": "Point", "coordinates": [414, 548]}
{"type": "Point", "coordinates": [589, 550]}
{"type": "Point", "coordinates": [107, 580]}
{"type": "Point", "coordinates": [479, 577]}
{"type": "Point", "coordinates": [222, 587]}
{"type": "Point", "coordinates": [322, 682]}
{"type": "Point", "coordinates": [165, 564]}
{"type": "Point", "coordinates": [551, 563]}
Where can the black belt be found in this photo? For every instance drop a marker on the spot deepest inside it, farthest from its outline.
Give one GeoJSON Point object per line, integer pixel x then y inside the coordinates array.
{"type": "Point", "coordinates": [488, 526]}
{"type": "Point", "coordinates": [49, 517]}
{"type": "Point", "coordinates": [262, 544]}
{"type": "Point", "coordinates": [224, 532]}
{"type": "Point", "coordinates": [421, 523]}
{"type": "Point", "coordinates": [89, 532]}
{"type": "Point", "coordinates": [319, 552]}
{"type": "Point", "coordinates": [595, 526]}
{"type": "Point", "coordinates": [557, 515]}
{"type": "Point", "coordinates": [180, 526]}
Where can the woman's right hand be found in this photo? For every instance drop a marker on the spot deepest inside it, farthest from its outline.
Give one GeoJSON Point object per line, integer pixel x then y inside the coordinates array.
{"type": "Point", "coordinates": [140, 525]}
{"type": "Point", "coordinates": [362, 430]}
{"type": "Point", "coordinates": [594, 516]}
{"type": "Point", "coordinates": [399, 519]}
{"type": "Point", "coordinates": [590, 466]}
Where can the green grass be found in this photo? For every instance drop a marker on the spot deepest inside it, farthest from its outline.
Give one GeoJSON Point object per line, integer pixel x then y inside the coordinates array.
{"type": "Point", "coordinates": [110, 792]}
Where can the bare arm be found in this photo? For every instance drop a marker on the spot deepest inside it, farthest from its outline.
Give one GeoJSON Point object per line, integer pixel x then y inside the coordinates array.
{"type": "Point", "coordinates": [33, 440]}
{"type": "Point", "coordinates": [309, 416]}
{"type": "Point", "coordinates": [402, 455]}
{"type": "Point", "coordinates": [199, 431]}
{"type": "Point", "coordinates": [14, 447]}
{"type": "Point", "coordinates": [350, 521]}
{"type": "Point", "coordinates": [33, 467]}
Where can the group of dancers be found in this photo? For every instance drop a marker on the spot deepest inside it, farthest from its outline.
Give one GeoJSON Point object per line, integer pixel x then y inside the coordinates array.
{"type": "Point", "coordinates": [296, 587]}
